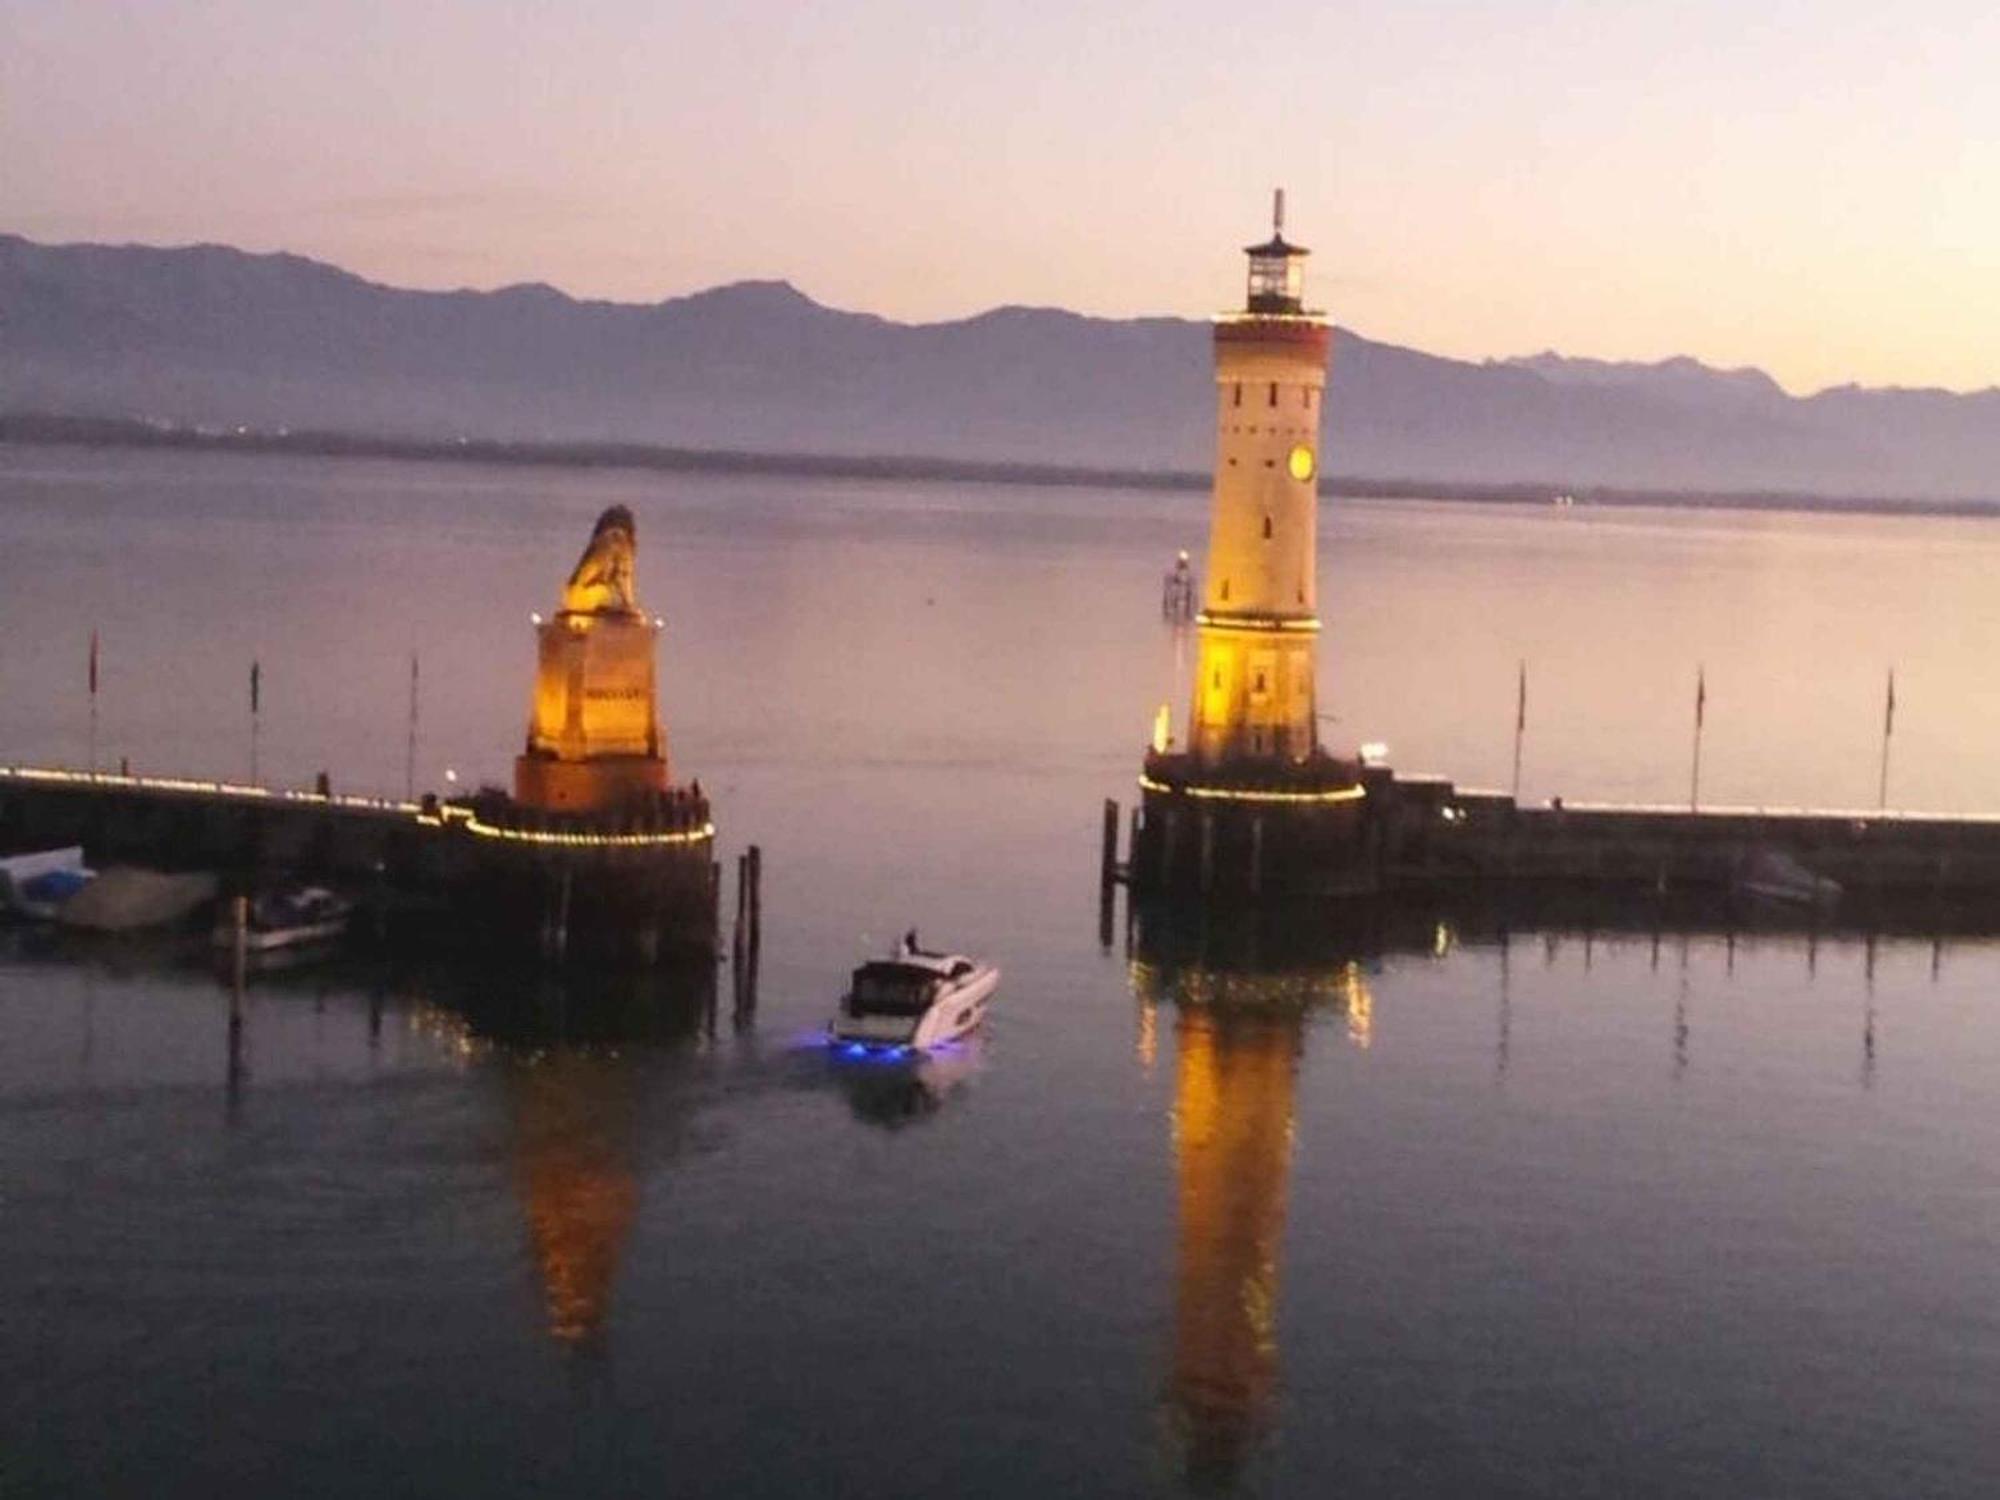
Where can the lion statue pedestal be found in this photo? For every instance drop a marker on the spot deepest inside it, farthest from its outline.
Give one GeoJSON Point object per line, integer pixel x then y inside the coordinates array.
{"type": "Point", "coordinates": [594, 738]}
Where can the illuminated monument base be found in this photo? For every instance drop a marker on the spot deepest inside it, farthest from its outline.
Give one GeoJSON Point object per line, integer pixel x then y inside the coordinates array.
{"type": "Point", "coordinates": [594, 738]}
{"type": "Point", "coordinates": [1297, 828]}
{"type": "Point", "coordinates": [587, 786]}
{"type": "Point", "coordinates": [597, 854]}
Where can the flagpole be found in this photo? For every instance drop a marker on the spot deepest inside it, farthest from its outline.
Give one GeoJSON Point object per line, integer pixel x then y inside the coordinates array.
{"type": "Point", "coordinates": [1520, 723]}
{"type": "Point", "coordinates": [256, 672]}
{"type": "Point", "coordinates": [410, 756]}
{"type": "Point", "coordinates": [93, 702]}
{"type": "Point", "coordinates": [1700, 710]}
{"type": "Point", "coordinates": [1888, 729]}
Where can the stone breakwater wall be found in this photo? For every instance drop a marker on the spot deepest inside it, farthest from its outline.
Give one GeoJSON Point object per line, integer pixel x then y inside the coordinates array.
{"type": "Point", "coordinates": [1433, 834]}
{"type": "Point", "coordinates": [1425, 834]}
{"type": "Point", "coordinates": [638, 887]}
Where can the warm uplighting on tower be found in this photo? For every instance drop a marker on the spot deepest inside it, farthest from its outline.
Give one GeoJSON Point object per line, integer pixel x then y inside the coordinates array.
{"type": "Point", "coordinates": [1249, 800]}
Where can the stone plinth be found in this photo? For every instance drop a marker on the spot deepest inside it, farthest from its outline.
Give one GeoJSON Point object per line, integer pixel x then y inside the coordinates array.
{"type": "Point", "coordinates": [1297, 828]}
{"type": "Point", "coordinates": [594, 739]}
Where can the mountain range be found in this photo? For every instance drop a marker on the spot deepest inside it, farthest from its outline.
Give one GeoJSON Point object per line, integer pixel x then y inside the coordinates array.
{"type": "Point", "coordinates": [211, 336]}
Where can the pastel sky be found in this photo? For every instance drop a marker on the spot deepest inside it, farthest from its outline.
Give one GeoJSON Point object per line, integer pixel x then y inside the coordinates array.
{"type": "Point", "coordinates": [1813, 188]}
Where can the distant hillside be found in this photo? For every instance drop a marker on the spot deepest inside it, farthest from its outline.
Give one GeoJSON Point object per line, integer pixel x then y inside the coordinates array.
{"type": "Point", "coordinates": [213, 336]}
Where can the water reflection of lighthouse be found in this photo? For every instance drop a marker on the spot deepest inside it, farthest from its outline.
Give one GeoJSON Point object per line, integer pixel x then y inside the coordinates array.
{"type": "Point", "coordinates": [1238, 1037]}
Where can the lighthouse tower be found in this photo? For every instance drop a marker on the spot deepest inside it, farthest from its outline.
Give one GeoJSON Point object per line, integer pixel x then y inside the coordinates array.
{"type": "Point", "coordinates": [1251, 803]}
{"type": "Point", "coordinates": [1253, 688]}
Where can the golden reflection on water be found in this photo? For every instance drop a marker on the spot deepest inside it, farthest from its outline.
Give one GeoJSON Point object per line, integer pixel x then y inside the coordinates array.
{"type": "Point", "coordinates": [1238, 1037]}
{"type": "Point", "coordinates": [1148, 1044]}
{"type": "Point", "coordinates": [574, 1116]}
{"type": "Point", "coordinates": [1232, 1134]}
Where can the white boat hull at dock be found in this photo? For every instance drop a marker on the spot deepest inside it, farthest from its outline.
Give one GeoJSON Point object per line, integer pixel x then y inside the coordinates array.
{"type": "Point", "coordinates": [126, 898]}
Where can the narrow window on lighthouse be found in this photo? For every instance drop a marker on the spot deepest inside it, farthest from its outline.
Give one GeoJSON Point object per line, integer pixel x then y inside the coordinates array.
{"type": "Point", "coordinates": [1239, 393]}
{"type": "Point", "coordinates": [1267, 528]}
{"type": "Point", "coordinates": [1225, 591]}
{"type": "Point", "coordinates": [1274, 393]}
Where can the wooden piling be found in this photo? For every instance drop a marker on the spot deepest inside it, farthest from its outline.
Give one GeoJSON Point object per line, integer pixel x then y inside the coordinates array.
{"type": "Point", "coordinates": [562, 916]}
{"type": "Point", "coordinates": [750, 934]}
{"type": "Point", "coordinates": [1107, 874]}
{"type": "Point", "coordinates": [739, 942]}
{"type": "Point", "coordinates": [239, 948]}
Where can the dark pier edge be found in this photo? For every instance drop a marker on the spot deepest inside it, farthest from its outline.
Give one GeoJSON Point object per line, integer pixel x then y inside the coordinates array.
{"type": "Point", "coordinates": [1295, 834]}
{"type": "Point", "coordinates": [1237, 833]}
{"type": "Point", "coordinates": [635, 888]}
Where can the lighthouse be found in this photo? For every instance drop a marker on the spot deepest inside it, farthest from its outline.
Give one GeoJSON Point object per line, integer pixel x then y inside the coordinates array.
{"type": "Point", "coordinates": [1253, 688]}
{"type": "Point", "coordinates": [1250, 804]}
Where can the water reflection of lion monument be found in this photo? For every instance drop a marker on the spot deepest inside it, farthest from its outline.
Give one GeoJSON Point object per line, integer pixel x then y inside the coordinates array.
{"type": "Point", "coordinates": [602, 581]}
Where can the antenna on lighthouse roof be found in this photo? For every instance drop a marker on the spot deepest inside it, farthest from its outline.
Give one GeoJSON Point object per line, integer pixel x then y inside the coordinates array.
{"type": "Point", "coordinates": [1278, 213]}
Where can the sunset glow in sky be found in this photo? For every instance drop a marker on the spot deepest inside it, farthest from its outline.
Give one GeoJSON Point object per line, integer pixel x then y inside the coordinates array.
{"type": "Point", "coordinates": [1811, 188]}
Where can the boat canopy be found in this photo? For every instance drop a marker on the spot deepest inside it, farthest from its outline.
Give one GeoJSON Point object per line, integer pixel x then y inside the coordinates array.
{"type": "Point", "coordinates": [907, 984]}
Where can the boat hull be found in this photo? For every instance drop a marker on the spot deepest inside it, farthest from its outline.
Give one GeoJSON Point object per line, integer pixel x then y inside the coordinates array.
{"type": "Point", "coordinates": [957, 1012]}
{"type": "Point", "coordinates": [270, 939]}
{"type": "Point", "coordinates": [126, 898]}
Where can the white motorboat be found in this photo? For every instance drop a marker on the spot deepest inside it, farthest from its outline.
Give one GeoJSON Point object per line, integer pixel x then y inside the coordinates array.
{"type": "Point", "coordinates": [915, 1000]}
{"type": "Point", "coordinates": [36, 885]}
{"type": "Point", "coordinates": [286, 918]}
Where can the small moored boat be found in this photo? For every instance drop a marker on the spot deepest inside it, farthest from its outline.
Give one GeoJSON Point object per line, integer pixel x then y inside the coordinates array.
{"type": "Point", "coordinates": [36, 885]}
{"type": "Point", "coordinates": [125, 898]}
{"type": "Point", "coordinates": [287, 918]}
{"type": "Point", "coordinates": [1776, 877]}
{"type": "Point", "coordinates": [915, 1000]}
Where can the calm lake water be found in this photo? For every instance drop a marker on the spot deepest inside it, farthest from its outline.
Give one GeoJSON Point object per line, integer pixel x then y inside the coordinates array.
{"type": "Point", "coordinates": [1551, 1212]}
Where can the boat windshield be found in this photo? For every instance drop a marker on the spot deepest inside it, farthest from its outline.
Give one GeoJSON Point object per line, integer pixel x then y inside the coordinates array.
{"type": "Point", "coordinates": [891, 989]}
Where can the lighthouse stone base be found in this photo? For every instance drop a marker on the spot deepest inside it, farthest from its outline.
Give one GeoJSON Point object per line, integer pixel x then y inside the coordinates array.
{"type": "Point", "coordinates": [1249, 832]}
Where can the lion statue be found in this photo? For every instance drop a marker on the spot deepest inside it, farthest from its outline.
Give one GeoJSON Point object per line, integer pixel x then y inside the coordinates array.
{"type": "Point", "coordinates": [602, 582]}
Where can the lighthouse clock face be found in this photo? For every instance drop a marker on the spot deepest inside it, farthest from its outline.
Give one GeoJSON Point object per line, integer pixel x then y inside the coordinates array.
{"type": "Point", "coordinates": [1300, 462]}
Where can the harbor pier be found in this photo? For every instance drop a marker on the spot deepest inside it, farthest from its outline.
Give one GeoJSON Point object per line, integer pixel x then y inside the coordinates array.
{"type": "Point", "coordinates": [1248, 806]}
{"type": "Point", "coordinates": [1423, 834]}
{"type": "Point", "coordinates": [595, 853]}
{"type": "Point", "coordinates": [638, 889]}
